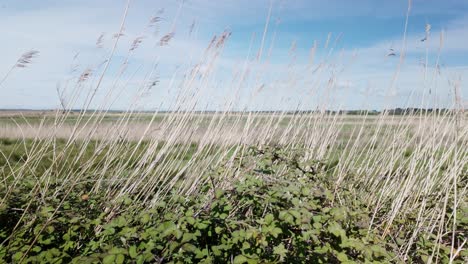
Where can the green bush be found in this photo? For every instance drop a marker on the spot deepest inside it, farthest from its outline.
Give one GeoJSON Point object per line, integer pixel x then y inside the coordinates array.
{"type": "Point", "coordinates": [292, 218]}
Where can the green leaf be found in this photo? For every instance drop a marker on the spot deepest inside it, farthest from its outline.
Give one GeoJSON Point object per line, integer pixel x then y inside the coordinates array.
{"type": "Point", "coordinates": [36, 249]}
{"type": "Point", "coordinates": [17, 256]}
{"type": "Point", "coordinates": [218, 230]}
{"type": "Point", "coordinates": [379, 251]}
{"type": "Point", "coordinates": [216, 250]}
{"type": "Point", "coordinates": [188, 237]}
{"type": "Point", "coordinates": [335, 229]}
{"type": "Point", "coordinates": [239, 259]}
{"type": "Point", "coordinates": [281, 251]}
{"type": "Point", "coordinates": [219, 194]}
{"type": "Point", "coordinates": [317, 218]}
{"type": "Point", "coordinates": [145, 218]}
{"type": "Point", "coordinates": [342, 257]}
{"type": "Point", "coordinates": [269, 219]}
{"type": "Point", "coordinates": [339, 214]}
{"type": "Point", "coordinates": [202, 226]}
{"type": "Point", "coordinates": [191, 220]}
{"type": "Point", "coordinates": [321, 250]}
{"type": "Point", "coordinates": [120, 259]}
{"type": "Point", "coordinates": [109, 259]}
{"type": "Point", "coordinates": [189, 248]}
{"type": "Point", "coordinates": [132, 251]}
{"type": "Point", "coordinates": [276, 231]}
{"type": "Point", "coordinates": [295, 213]}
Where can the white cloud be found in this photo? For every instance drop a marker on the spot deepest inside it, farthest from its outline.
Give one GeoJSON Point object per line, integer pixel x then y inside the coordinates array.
{"type": "Point", "coordinates": [59, 30]}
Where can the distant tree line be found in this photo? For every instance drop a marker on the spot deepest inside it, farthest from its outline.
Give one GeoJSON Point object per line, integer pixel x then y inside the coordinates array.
{"type": "Point", "coordinates": [395, 111]}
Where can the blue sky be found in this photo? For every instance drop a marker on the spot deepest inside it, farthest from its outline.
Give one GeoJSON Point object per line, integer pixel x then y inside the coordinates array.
{"type": "Point", "coordinates": [352, 71]}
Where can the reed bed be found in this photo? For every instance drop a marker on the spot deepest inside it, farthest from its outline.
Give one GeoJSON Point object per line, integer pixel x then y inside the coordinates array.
{"type": "Point", "coordinates": [414, 164]}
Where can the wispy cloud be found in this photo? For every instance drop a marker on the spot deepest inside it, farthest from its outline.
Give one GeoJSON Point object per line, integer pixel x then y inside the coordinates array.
{"type": "Point", "coordinates": [61, 29]}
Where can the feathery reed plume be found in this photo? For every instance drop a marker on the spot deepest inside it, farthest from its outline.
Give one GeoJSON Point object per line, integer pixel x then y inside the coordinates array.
{"type": "Point", "coordinates": [212, 42]}
{"type": "Point", "coordinates": [22, 62]}
{"type": "Point", "coordinates": [155, 20]}
{"type": "Point", "coordinates": [166, 38]}
{"type": "Point", "coordinates": [153, 82]}
{"type": "Point", "coordinates": [136, 43]}
{"type": "Point", "coordinates": [119, 34]}
{"type": "Point", "coordinates": [26, 58]}
{"type": "Point", "coordinates": [84, 76]}
{"type": "Point", "coordinates": [192, 27]}
{"type": "Point", "coordinates": [223, 38]}
{"type": "Point", "coordinates": [61, 97]}
{"type": "Point", "coordinates": [149, 86]}
{"type": "Point", "coordinates": [391, 53]}
{"type": "Point", "coordinates": [427, 31]}
{"type": "Point", "coordinates": [100, 40]}
{"type": "Point", "coordinates": [74, 65]}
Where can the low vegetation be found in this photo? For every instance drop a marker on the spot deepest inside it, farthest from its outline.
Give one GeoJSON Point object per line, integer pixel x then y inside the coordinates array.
{"type": "Point", "coordinates": [281, 208]}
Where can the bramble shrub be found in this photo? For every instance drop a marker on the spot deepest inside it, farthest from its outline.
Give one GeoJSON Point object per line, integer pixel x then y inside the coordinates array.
{"type": "Point", "coordinates": [278, 210]}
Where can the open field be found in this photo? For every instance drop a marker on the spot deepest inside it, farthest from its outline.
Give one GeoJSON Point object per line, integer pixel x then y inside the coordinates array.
{"type": "Point", "coordinates": [39, 124]}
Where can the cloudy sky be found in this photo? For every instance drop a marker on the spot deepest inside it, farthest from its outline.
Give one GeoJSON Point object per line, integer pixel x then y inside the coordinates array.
{"type": "Point", "coordinates": [312, 53]}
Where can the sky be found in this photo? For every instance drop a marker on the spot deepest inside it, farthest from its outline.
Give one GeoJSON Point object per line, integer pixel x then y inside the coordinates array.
{"type": "Point", "coordinates": [296, 54]}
